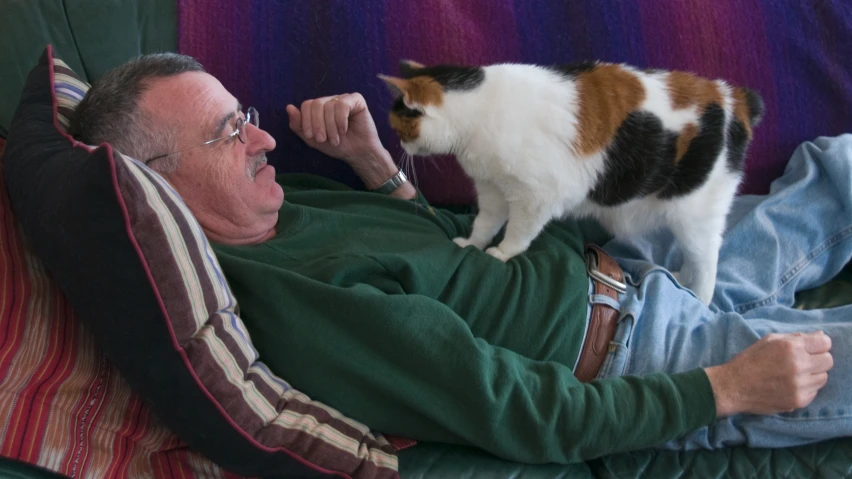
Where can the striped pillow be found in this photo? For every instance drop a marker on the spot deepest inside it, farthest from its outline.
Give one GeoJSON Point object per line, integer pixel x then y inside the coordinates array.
{"type": "Point", "coordinates": [63, 406]}
{"type": "Point", "coordinates": [140, 273]}
{"type": "Point", "coordinates": [69, 90]}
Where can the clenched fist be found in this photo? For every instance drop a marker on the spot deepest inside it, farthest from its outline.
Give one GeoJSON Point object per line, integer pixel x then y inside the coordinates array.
{"type": "Point", "coordinates": [339, 126]}
{"type": "Point", "coordinates": [779, 373]}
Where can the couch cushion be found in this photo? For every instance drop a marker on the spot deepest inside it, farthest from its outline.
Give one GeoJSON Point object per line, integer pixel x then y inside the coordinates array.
{"type": "Point", "coordinates": [29, 26]}
{"type": "Point", "coordinates": [92, 36]}
{"type": "Point", "coordinates": [138, 270]}
{"type": "Point", "coordinates": [107, 34]}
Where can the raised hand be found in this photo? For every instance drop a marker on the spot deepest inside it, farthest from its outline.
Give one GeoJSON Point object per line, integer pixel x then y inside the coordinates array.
{"type": "Point", "coordinates": [339, 126]}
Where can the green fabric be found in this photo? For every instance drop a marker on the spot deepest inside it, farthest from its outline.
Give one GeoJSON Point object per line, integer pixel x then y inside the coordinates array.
{"type": "Point", "coordinates": [828, 459]}
{"type": "Point", "coordinates": [26, 27]}
{"type": "Point", "coordinates": [11, 469]}
{"type": "Point", "coordinates": [362, 301]}
{"type": "Point", "coordinates": [831, 458]}
{"type": "Point", "coordinates": [108, 33]}
{"type": "Point", "coordinates": [837, 292]}
{"type": "Point", "coordinates": [439, 461]}
{"type": "Point", "coordinates": [91, 36]}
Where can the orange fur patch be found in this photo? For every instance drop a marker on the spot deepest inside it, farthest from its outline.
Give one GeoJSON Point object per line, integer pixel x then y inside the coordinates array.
{"type": "Point", "coordinates": [689, 132]}
{"type": "Point", "coordinates": [422, 90]}
{"type": "Point", "coordinates": [606, 94]}
{"type": "Point", "coordinates": [425, 91]}
{"type": "Point", "coordinates": [686, 90]}
{"type": "Point", "coordinates": [407, 129]}
{"type": "Point", "coordinates": [741, 110]}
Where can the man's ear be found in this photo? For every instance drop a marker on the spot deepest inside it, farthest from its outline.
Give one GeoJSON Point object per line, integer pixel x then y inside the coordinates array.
{"type": "Point", "coordinates": [399, 87]}
{"type": "Point", "coordinates": [409, 67]}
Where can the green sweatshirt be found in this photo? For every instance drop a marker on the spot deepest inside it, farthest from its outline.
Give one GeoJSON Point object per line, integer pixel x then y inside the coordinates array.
{"type": "Point", "coordinates": [362, 301]}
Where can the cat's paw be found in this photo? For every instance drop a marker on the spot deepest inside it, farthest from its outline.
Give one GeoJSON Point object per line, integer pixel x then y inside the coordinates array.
{"type": "Point", "coordinates": [703, 290]}
{"type": "Point", "coordinates": [465, 242]}
{"type": "Point", "coordinates": [705, 294]}
{"type": "Point", "coordinates": [497, 253]}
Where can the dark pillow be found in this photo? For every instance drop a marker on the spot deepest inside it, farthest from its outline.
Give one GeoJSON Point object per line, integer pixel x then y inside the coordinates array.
{"type": "Point", "coordinates": [138, 270]}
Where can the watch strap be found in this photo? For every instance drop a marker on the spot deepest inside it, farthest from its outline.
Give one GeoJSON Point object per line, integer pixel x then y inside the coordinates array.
{"type": "Point", "coordinates": [392, 184]}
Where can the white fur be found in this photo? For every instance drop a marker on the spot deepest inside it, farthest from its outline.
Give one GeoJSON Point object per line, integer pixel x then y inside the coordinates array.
{"type": "Point", "coordinates": [513, 136]}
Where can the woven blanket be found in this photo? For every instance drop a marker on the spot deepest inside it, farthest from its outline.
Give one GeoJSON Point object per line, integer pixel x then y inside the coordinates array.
{"type": "Point", "coordinates": [273, 52]}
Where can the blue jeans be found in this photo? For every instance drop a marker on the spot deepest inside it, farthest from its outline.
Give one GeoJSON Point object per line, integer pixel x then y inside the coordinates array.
{"type": "Point", "coordinates": [797, 237]}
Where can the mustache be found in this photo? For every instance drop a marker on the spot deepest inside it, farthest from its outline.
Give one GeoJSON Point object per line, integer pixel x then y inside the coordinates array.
{"type": "Point", "coordinates": [256, 163]}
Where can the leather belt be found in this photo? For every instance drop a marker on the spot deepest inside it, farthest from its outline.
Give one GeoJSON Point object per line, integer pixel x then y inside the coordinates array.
{"type": "Point", "coordinates": [608, 279]}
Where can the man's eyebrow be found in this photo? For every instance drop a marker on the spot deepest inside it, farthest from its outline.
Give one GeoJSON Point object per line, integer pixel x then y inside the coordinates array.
{"type": "Point", "coordinates": [217, 131]}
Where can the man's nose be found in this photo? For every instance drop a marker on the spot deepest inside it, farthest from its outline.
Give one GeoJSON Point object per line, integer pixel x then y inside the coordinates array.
{"type": "Point", "coordinates": [259, 141]}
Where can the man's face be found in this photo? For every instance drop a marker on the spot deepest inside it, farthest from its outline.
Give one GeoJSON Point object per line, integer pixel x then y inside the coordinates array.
{"type": "Point", "coordinates": [227, 180]}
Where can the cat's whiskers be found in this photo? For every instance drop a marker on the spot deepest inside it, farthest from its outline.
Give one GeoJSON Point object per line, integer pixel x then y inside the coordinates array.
{"type": "Point", "coordinates": [413, 168]}
{"type": "Point", "coordinates": [437, 165]}
{"type": "Point", "coordinates": [407, 165]}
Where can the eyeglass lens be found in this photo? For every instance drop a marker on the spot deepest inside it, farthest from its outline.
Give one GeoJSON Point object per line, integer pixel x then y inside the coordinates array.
{"type": "Point", "coordinates": [253, 118]}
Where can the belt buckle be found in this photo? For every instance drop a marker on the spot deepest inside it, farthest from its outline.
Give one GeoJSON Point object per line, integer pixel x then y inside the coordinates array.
{"type": "Point", "coordinates": [594, 272]}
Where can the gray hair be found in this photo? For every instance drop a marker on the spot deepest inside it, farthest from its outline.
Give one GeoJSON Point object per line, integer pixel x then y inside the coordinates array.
{"type": "Point", "coordinates": [110, 110]}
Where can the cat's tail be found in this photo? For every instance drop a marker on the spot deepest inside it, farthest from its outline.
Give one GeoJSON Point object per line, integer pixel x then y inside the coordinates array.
{"type": "Point", "coordinates": [752, 102]}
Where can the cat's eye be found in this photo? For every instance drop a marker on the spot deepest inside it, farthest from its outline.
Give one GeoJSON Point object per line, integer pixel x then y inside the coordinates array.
{"type": "Point", "coordinates": [412, 112]}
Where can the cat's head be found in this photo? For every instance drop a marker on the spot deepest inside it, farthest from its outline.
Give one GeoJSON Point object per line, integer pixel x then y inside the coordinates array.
{"type": "Point", "coordinates": [425, 111]}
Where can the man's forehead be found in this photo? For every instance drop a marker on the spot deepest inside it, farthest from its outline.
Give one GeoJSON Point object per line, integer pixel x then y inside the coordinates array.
{"type": "Point", "coordinates": [191, 96]}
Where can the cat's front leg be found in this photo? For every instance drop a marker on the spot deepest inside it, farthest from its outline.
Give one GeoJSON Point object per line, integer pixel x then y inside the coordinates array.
{"type": "Point", "coordinates": [700, 242]}
{"type": "Point", "coordinates": [526, 220]}
{"type": "Point", "coordinates": [493, 211]}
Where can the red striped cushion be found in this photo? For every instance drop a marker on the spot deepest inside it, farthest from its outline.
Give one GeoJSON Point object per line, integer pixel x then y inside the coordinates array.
{"type": "Point", "coordinates": [139, 271]}
{"type": "Point", "coordinates": [62, 405]}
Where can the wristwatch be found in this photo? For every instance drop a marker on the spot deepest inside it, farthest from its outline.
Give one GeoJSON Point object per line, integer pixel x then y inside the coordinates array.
{"type": "Point", "coordinates": [392, 184]}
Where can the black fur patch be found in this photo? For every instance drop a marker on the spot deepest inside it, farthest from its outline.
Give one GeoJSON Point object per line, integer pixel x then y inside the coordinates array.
{"type": "Point", "coordinates": [400, 109]}
{"type": "Point", "coordinates": [693, 169]}
{"type": "Point", "coordinates": [641, 159]}
{"type": "Point", "coordinates": [453, 77]}
{"type": "Point", "coordinates": [571, 70]}
{"type": "Point", "coordinates": [637, 162]}
{"type": "Point", "coordinates": [737, 143]}
{"type": "Point", "coordinates": [756, 107]}
{"type": "Point", "coordinates": [406, 70]}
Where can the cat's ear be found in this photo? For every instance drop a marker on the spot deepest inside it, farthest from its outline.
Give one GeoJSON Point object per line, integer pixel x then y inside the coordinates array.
{"type": "Point", "coordinates": [398, 87]}
{"type": "Point", "coordinates": [408, 67]}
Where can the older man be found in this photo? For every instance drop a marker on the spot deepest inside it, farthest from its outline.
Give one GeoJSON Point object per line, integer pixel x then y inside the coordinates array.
{"type": "Point", "coordinates": [361, 299]}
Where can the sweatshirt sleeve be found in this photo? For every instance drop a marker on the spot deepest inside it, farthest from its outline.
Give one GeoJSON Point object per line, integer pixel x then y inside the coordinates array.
{"type": "Point", "coordinates": [408, 365]}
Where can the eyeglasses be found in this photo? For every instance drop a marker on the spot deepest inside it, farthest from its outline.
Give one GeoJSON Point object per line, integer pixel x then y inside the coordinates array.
{"type": "Point", "coordinates": [240, 132]}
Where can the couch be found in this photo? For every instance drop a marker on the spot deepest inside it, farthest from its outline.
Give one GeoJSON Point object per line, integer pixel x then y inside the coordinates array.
{"type": "Point", "coordinates": [271, 53]}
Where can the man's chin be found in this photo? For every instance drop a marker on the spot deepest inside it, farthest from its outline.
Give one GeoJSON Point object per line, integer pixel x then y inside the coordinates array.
{"type": "Point", "coordinates": [277, 193]}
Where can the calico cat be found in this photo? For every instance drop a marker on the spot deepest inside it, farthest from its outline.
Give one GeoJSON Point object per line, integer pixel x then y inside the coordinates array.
{"type": "Point", "coordinates": [635, 149]}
